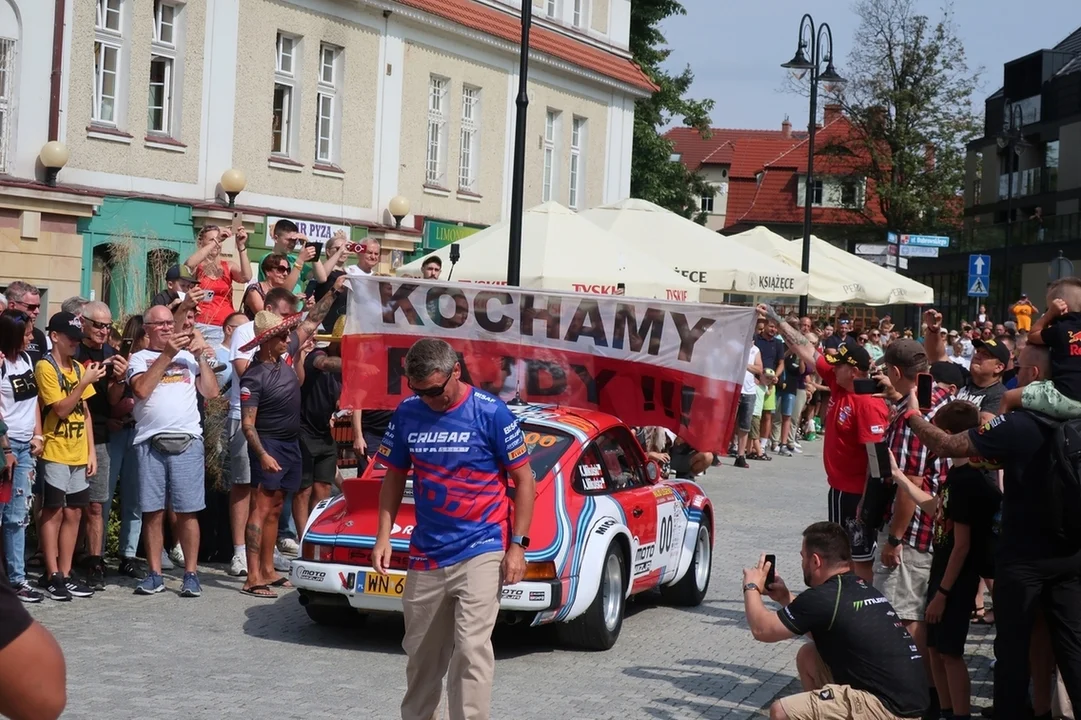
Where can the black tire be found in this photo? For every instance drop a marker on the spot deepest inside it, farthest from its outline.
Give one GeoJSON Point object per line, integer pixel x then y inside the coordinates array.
{"type": "Point", "coordinates": [590, 630]}
{"type": "Point", "coordinates": [690, 590]}
{"type": "Point", "coordinates": [333, 616]}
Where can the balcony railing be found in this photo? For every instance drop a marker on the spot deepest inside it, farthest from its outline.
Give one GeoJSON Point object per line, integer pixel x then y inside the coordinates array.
{"type": "Point", "coordinates": [1055, 228]}
{"type": "Point", "coordinates": [1026, 182]}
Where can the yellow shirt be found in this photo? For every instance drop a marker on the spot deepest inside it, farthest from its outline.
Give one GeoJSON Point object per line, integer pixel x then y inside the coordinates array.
{"type": "Point", "coordinates": [1023, 313]}
{"type": "Point", "coordinates": [65, 439]}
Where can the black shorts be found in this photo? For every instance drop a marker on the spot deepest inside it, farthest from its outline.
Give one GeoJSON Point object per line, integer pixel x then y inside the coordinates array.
{"type": "Point", "coordinates": [745, 414]}
{"type": "Point", "coordinates": [842, 510]}
{"type": "Point", "coordinates": [287, 453]}
{"type": "Point", "coordinates": [319, 459]}
{"type": "Point", "coordinates": [948, 636]}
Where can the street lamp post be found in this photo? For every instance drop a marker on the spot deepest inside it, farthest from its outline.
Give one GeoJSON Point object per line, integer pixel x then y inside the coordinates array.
{"type": "Point", "coordinates": [514, 249]}
{"type": "Point", "coordinates": [1012, 142]}
{"type": "Point", "coordinates": [810, 40]}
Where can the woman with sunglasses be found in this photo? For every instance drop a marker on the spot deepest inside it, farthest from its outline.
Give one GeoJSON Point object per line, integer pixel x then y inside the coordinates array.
{"type": "Point", "coordinates": [275, 268]}
{"type": "Point", "coordinates": [216, 277]}
{"type": "Point", "coordinates": [19, 408]}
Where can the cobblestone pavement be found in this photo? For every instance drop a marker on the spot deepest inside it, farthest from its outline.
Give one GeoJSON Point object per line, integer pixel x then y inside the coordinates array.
{"type": "Point", "coordinates": [227, 655]}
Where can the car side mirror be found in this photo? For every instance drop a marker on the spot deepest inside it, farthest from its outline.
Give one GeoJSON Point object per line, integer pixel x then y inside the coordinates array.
{"type": "Point", "coordinates": [653, 471]}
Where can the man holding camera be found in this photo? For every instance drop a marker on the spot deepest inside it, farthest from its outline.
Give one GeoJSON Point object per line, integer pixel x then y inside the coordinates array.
{"type": "Point", "coordinates": [857, 423]}
{"type": "Point", "coordinates": [861, 663]}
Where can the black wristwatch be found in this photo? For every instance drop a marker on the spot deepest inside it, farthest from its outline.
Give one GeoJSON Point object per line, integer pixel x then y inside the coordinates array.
{"type": "Point", "coordinates": [893, 540]}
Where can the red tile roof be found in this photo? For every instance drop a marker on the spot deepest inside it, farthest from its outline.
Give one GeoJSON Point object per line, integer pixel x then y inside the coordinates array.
{"type": "Point", "coordinates": [509, 27]}
{"type": "Point", "coordinates": [723, 145]}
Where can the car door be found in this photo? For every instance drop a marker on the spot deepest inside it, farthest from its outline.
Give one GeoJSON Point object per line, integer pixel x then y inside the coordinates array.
{"type": "Point", "coordinates": [630, 487]}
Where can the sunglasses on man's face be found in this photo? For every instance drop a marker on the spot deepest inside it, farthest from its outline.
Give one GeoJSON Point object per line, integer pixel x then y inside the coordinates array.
{"type": "Point", "coordinates": [29, 307]}
{"type": "Point", "coordinates": [98, 325]}
{"type": "Point", "coordinates": [432, 392]}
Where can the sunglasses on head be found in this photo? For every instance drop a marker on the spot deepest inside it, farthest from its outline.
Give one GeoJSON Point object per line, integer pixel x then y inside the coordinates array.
{"type": "Point", "coordinates": [434, 391]}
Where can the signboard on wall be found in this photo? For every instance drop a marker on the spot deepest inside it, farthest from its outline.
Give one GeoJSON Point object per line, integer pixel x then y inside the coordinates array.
{"type": "Point", "coordinates": [439, 234]}
{"type": "Point", "coordinates": [312, 229]}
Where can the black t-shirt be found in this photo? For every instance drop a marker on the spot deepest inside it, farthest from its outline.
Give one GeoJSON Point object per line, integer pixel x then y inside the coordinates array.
{"type": "Point", "coordinates": [772, 351]}
{"type": "Point", "coordinates": [834, 342]}
{"type": "Point", "coordinates": [1063, 339]}
{"type": "Point", "coordinates": [793, 378]}
{"type": "Point", "coordinates": [319, 396]}
{"type": "Point", "coordinates": [375, 422]}
{"type": "Point", "coordinates": [986, 399]}
{"type": "Point", "coordinates": [862, 641]}
{"type": "Point", "coordinates": [165, 297]}
{"type": "Point", "coordinates": [14, 620]}
{"type": "Point", "coordinates": [1017, 443]}
{"type": "Point", "coordinates": [274, 390]}
{"type": "Point", "coordinates": [100, 410]}
{"type": "Point", "coordinates": [970, 497]}
{"type": "Point", "coordinates": [37, 347]}
{"type": "Point", "coordinates": [337, 308]}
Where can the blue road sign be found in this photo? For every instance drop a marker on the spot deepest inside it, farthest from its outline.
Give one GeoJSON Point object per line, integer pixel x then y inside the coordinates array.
{"type": "Point", "coordinates": [939, 241]}
{"type": "Point", "coordinates": [979, 275]}
{"type": "Point", "coordinates": [891, 238]}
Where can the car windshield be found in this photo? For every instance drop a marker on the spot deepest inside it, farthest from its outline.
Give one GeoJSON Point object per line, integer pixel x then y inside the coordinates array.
{"type": "Point", "coordinates": [546, 445]}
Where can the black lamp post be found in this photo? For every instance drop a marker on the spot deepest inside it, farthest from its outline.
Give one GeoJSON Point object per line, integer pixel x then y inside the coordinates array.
{"type": "Point", "coordinates": [514, 250]}
{"type": "Point", "coordinates": [1012, 143]}
{"type": "Point", "coordinates": [820, 53]}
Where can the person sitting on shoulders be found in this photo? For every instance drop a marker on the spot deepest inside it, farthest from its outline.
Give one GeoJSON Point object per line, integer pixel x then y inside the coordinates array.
{"type": "Point", "coordinates": [861, 662]}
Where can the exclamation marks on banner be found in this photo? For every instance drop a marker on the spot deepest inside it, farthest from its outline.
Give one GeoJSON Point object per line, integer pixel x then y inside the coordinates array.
{"type": "Point", "coordinates": [648, 384]}
{"type": "Point", "coordinates": [668, 393]}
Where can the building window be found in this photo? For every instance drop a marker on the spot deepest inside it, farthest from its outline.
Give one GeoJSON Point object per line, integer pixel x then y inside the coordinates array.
{"type": "Point", "coordinates": [551, 121]}
{"type": "Point", "coordinates": [163, 60]}
{"type": "Point", "coordinates": [108, 39]}
{"type": "Point", "coordinates": [281, 131]}
{"type": "Point", "coordinates": [579, 15]}
{"type": "Point", "coordinates": [816, 192]}
{"type": "Point", "coordinates": [327, 106]}
{"type": "Point", "coordinates": [550, 8]}
{"type": "Point", "coordinates": [706, 203]}
{"type": "Point", "coordinates": [1050, 161]}
{"type": "Point", "coordinates": [469, 151]}
{"type": "Point", "coordinates": [7, 92]}
{"type": "Point", "coordinates": [435, 172]}
{"type": "Point", "coordinates": [578, 132]}
{"type": "Point", "coordinates": [849, 193]}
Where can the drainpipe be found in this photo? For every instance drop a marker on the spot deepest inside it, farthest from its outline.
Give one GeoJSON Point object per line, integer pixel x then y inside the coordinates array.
{"type": "Point", "coordinates": [58, 61]}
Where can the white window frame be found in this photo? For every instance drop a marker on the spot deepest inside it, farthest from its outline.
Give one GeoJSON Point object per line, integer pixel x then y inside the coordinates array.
{"type": "Point", "coordinates": [705, 203]}
{"type": "Point", "coordinates": [328, 105]}
{"type": "Point", "coordinates": [159, 22]}
{"type": "Point", "coordinates": [580, 13]}
{"type": "Point", "coordinates": [469, 139]}
{"type": "Point", "coordinates": [435, 160]}
{"type": "Point", "coordinates": [550, 180]}
{"type": "Point", "coordinates": [8, 56]}
{"type": "Point", "coordinates": [818, 188]}
{"type": "Point", "coordinates": [108, 38]}
{"type": "Point", "coordinates": [575, 183]}
{"type": "Point", "coordinates": [165, 52]}
{"type": "Point", "coordinates": [286, 47]}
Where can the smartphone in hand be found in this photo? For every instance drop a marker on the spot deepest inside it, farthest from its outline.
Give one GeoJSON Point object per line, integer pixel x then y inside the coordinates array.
{"type": "Point", "coordinates": [125, 347]}
{"type": "Point", "coordinates": [318, 246]}
{"type": "Point", "coordinates": [925, 385]}
{"type": "Point", "coordinates": [772, 574]}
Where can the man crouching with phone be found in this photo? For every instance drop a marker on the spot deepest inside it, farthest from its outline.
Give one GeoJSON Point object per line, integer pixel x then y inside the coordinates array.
{"type": "Point", "coordinates": [860, 664]}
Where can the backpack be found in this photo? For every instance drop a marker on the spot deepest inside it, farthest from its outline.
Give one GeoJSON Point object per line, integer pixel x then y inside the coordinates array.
{"type": "Point", "coordinates": [1063, 490]}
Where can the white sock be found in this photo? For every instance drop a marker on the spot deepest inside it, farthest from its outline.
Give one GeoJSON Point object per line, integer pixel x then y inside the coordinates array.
{"type": "Point", "coordinates": [240, 550]}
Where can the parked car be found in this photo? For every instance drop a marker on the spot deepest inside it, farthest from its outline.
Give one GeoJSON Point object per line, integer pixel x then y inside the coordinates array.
{"type": "Point", "coordinates": [605, 527]}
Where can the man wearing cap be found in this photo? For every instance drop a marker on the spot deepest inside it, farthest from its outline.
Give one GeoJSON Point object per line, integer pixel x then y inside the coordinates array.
{"type": "Point", "coordinates": [270, 419]}
{"type": "Point", "coordinates": [178, 282]}
{"type": "Point", "coordinates": [1023, 310]}
{"type": "Point", "coordinates": [990, 358]}
{"type": "Point", "coordinates": [168, 441]}
{"type": "Point", "coordinates": [903, 568]}
{"type": "Point", "coordinates": [68, 457]}
{"type": "Point", "coordinates": [857, 423]}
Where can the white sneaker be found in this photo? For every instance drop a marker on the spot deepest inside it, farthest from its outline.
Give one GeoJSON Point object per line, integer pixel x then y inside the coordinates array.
{"type": "Point", "coordinates": [239, 566]}
{"type": "Point", "coordinates": [177, 555]}
{"type": "Point", "coordinates": [166, 563]}
{"type": "Point", "coordinates": [289, 546]}
{"type": "Point", "coordinates": [280, 563]}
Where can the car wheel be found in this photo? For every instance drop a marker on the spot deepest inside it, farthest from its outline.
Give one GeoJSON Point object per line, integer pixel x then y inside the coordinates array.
{"type": "Point", "coordinates": [598, 628]}
{"type": "Point", "coordinates": [691, 589]}
{"type": "Point", "coordinates": [333, 616]}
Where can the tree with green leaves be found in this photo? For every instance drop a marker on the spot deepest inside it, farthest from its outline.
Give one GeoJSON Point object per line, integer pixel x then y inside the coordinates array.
{"type": "Point", "coordinates": [909, 99]}
{"type": "Point", "coordinates": [655, 175]}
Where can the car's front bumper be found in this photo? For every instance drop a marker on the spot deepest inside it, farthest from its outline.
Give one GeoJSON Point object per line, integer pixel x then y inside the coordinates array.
{"type": "Point", "coordinates": [350, 581]}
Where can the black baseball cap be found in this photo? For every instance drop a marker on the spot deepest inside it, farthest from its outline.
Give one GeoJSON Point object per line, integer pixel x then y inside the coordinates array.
{"type": "Point", "coordinates": [998, 351]}
{"type": "Point", "coordinates": [853, 355]}
{"type": "Point", "coordinates": [179, 272]}
{"type": "Point", "coordinates": [906, 354]}
{"type": "Point", "coordinates": [66, 324]}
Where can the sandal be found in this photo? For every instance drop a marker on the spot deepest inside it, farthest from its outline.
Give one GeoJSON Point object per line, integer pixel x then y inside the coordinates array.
{"type": "Point", "coordinates": [259, 591]}
{"type": "Point", "coordinates": [282, 583]}
{"type": "Point", "coordinates": [763, 457]}
{"type": "Point", "coordinates": [979, 617]}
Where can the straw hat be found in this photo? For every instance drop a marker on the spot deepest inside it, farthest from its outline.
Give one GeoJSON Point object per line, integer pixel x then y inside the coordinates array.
{"type": "Point", "coordinates": [336, 333]}
{"type": "Point", "coordinates": [268, 325]}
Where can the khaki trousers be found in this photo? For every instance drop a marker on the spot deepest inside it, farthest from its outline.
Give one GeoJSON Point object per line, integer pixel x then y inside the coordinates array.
{"type": "Point", "coordinates": [449, 616]}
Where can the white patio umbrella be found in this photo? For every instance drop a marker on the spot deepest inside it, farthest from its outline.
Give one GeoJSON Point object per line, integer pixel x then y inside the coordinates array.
{"type": "Point", "coordinates": [562, 251]}
{"type": "Point", "coordinates": [839, 276]}
{"type": "Point", "coordinates": [708, 258]}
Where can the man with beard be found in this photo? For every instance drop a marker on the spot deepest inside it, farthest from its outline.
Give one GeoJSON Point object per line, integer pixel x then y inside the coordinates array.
{"type": "Point", "coordinates": [990, 359]}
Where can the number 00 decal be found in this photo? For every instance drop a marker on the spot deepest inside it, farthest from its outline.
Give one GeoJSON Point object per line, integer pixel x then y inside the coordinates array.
{"type": "Point", "coordinates": [535, 438]}
{"type": "Point", "coordinates": [664, 535]}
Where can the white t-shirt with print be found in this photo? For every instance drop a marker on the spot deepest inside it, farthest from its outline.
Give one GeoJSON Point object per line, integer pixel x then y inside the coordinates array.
{"type": "Point", "coordinates": [749, 383]}
{"type": "Point", "coordinates": [19, 398]}
{"type": "Point", "coordinates": [243, 335]}
{"type": "Point", "coordinates": [172, 405]}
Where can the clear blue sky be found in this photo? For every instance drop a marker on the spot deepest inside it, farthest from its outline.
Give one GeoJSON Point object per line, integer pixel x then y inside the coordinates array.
{"type": "Point", "coordinates": [735, 48]}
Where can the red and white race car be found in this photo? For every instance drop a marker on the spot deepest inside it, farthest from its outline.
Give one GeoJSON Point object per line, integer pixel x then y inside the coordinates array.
{"type": "Point", "coordinates": [605, 527]}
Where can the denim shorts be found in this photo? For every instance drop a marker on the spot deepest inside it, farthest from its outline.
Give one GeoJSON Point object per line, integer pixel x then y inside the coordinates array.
{"type": "Point", "coordinates": [745, 414]}
{"type": "Point", "coordinates": [786, 403]}
{"type": "Point", "coordinates": [180, 477]}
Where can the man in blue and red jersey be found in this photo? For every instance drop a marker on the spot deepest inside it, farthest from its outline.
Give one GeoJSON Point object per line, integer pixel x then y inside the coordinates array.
{"type": "Point", "coordinates": [463, 446]}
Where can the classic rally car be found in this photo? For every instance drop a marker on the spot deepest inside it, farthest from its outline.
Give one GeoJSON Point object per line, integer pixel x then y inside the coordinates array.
{"type": "Point", "coordinates": [605, 527]}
